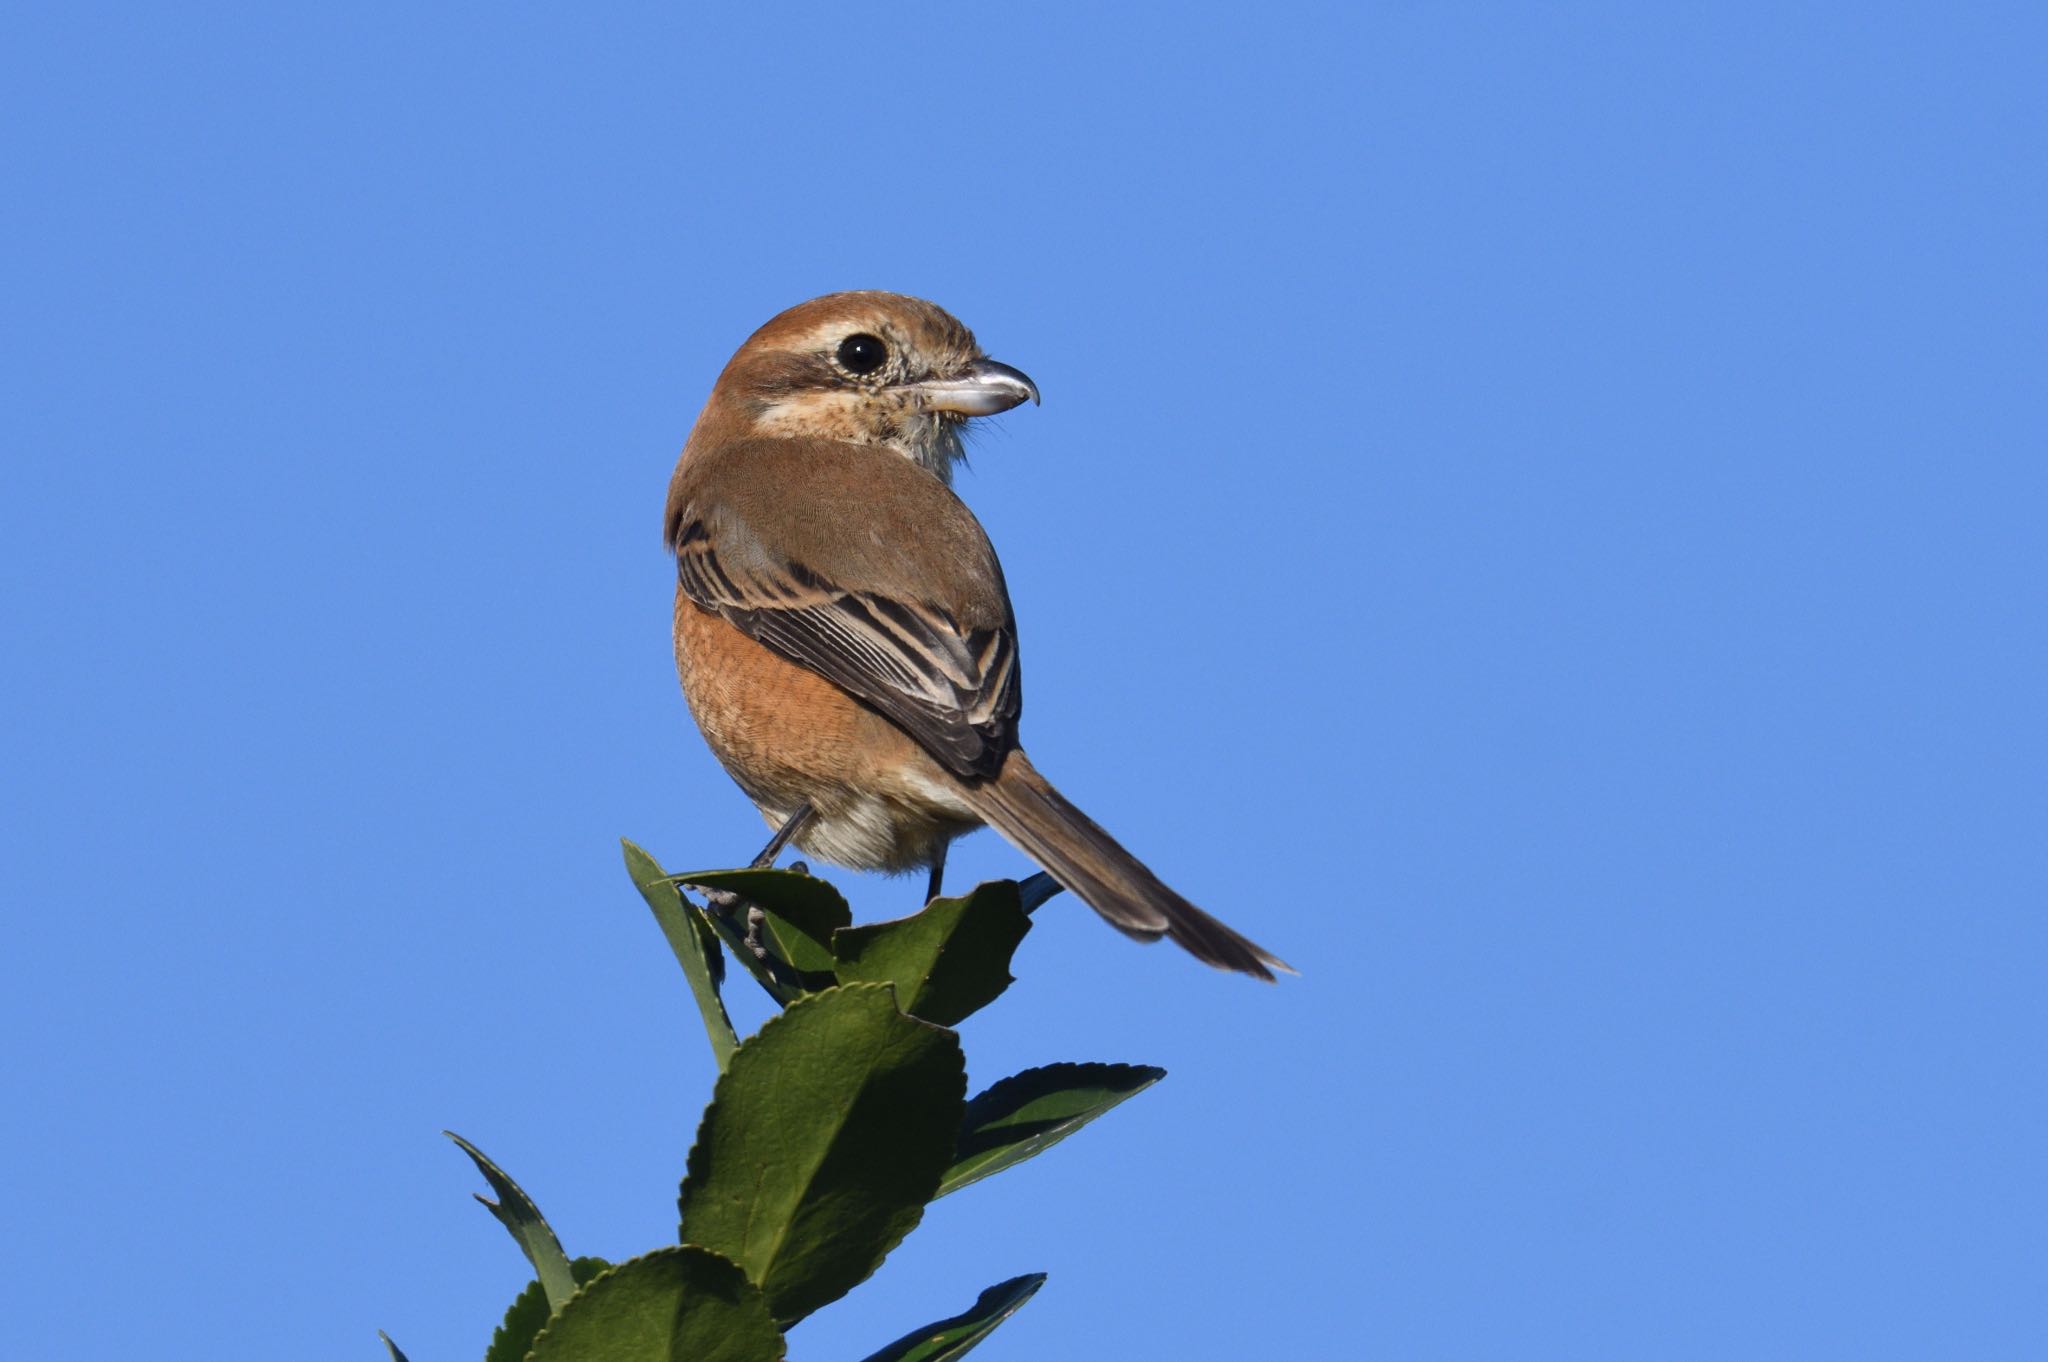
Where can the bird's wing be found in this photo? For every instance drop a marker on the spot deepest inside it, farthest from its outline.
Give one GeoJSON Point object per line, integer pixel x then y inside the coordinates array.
{"type": "Point", "coordinates": [952, 686]}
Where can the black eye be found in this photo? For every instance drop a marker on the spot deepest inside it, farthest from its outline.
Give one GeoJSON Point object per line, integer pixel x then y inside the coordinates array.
{"type": "Point", "coordinates": [861, 353]}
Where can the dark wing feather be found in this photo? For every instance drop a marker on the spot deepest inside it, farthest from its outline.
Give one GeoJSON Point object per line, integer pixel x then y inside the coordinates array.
{"type": "Point", "coordinates": [956, 691]}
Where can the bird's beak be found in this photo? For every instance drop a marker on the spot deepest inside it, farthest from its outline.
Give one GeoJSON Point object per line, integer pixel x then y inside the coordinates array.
{"type": "Point", "coordinates": [982, 389]}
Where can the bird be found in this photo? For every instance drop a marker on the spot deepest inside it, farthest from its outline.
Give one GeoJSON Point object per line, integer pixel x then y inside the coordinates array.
{"type": "Point", "coordinates": [843, 632]}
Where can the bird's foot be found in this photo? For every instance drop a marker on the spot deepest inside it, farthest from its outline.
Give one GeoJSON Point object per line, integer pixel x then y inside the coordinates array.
{"type": "Point", "coordinates": [729, 906]}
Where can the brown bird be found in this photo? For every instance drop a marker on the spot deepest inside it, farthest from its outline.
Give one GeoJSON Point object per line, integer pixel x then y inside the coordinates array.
{"type": "Point", "coordinates": [842, 629]}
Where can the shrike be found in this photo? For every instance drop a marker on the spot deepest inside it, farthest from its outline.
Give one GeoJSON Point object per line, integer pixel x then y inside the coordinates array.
{"type": "Point", "coordinates": [842, 629]}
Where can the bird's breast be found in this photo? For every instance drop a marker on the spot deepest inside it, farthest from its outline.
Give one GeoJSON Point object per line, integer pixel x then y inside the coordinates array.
{"type": "Point", "coordinates": [789, 737]}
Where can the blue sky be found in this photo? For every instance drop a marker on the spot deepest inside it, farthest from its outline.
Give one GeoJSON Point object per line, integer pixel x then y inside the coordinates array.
{"type": "Point", "coordinates": [1536, 517]}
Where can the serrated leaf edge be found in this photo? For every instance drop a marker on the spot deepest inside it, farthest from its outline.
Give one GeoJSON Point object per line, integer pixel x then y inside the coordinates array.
{"type": "Point", "coordinates": [808, 1000]}
{"type": "Point", "coordinates": [621, 1266]}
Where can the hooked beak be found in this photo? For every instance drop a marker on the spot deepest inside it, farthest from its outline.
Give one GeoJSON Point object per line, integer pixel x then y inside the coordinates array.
{"type": "Point", "coordinates": [983, 389]}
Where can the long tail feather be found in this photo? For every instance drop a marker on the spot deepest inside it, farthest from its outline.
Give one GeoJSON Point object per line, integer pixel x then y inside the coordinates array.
{"type": "Point", "coordinates": [1037, 819]}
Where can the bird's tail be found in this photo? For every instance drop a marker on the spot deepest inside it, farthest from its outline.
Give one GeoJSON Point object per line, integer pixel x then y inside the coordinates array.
{"type": "Point", "coordinates": [1037, 819]}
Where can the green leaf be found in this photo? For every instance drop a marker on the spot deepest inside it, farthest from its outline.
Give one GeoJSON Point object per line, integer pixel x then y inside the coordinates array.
{"type": "Point", "coordinates": [947, 1339]}
{"type": "Point", "coordinates": [948, 961]}
{"type": "Point", "coordinates": [822, 1144]}
{"type": "Point", "coordinates": [1036, 889]}
{"type": "Point", "coordinates": [396, 1355]}
{"type": "Point", "coordinates": [682, 1304]}
{"type": "Point", "coordinates": [516, 1212]}
{"type": "Point", "coordinates": [529, 1311]}
{"type": "Point", "coordinates": [802, 912]}
{"type": "Point", "coordinates": [691, 938]}
{"type": "Point", "coordinates": [1028, 1113]}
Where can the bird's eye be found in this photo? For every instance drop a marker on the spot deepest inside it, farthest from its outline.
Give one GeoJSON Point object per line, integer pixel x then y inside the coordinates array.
{"type": "Point", "coordinates": [861, 353]}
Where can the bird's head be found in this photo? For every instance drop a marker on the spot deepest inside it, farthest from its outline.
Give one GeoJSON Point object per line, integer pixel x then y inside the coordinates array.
{"type": "Point", "coordinates": [869, 368]}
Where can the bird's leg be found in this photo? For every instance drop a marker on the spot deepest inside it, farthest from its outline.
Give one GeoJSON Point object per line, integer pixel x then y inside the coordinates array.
{"type": "Point", "coordinates": [727, 903]}
{"type": "Point", "coordinates": [796, 823]}
{"type": "Point", "coordinates": [931, 888]}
